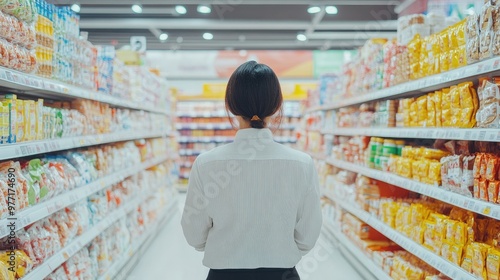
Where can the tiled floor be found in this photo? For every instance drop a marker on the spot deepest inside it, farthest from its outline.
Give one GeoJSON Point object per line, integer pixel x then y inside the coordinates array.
{"type": "Point", "coordinates": [170, 258]}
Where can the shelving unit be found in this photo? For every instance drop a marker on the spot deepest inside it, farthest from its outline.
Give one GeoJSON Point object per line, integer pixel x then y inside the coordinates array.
{"type": "Point", "coordinates": [23, 149]}
{"type": "Point", "coordinates": [420, 86]}
{"type": "Point", "coordinates": [360, 257]}
{"type": "Point", "coordinates": [130, 256]}
{"type": "Point", "coordinates": [411, 89]}
{"type": "Point", "coordinates": [41, 87]}
{"type": "Point", "coordinates": [45, 209]}
{"type": "Point", "coordinates": [27, 86]}
{"type": "Point", "coordinates": [59, 258]}
{"type": "Point", "coordinates": [472, 134]}
{"type": "Point", "coordinates": [446, 267]}
{"type": "Point", "coordinates": [468, 203]}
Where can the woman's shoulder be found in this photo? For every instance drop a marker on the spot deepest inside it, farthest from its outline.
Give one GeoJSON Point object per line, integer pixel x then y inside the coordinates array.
{"type": "Point", "coordinates": [293, 154]}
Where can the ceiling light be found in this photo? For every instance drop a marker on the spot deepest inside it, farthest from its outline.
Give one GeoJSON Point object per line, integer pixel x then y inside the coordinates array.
{"type": "Point", "coordinates": [137, 9]}
{"type": "Point", "coordinates": [208, 36]}
{"type": "Point", "coordinates": [314, 10]}
{"type": "Point", "coordinates": [163, 37]}
{"type": "Point", "coordinates": [204, 9]}
{"type": "Point", "coordinates": [75, 8]}
{"type": "Point", "coordinates": [301, 37]}
{"type": "Point", "coordinates": [181, 10]}
{"type": "Point", "coordinates": [331, 10]}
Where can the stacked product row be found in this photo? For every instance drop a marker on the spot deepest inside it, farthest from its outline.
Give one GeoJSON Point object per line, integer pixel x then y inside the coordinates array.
{"type": "Point", "coordinates": [426, 45]}
{"type": "Point", "coordinates": [470, 168]}
{"type": "Point", "coordinates": [39, 38]}
{"type": "Point", "coordinates": [464, 238]}
{"type": "Point", "coordinates": [95, 259]}
{"type": "Point", "coordinates": [34, 244]}
{"type": "Point", "coordinates": [391, 258]}
{"type": "Point", "coordinates": [30, 120]}
{"type": "Point", "coordinates": [39, 179]}
{"type": "Point", "coordinates": [460, 106]}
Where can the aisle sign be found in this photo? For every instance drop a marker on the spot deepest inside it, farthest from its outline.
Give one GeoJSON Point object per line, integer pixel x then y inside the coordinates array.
{"type": "Point", "coordinates": [138, 43]}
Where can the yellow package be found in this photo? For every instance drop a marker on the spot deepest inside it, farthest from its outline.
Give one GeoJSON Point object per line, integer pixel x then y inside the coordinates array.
{"type": "Point", "coordinates": [4, 124]}
{"type": "Point", "coordinates": [39, 119]}
{"type": "Point", "coordinates": [20, 134]}
{"type": "Point", "coordinates": [5, 273]}
{"type": "Point", "coordinates": [446, 107]}
{"type": "Point", "coordinates": [434, 177]}
{"type": "Point", "coordinates": [434, 154]}
{"type": "Point", "coordinates": [480, 252]}
{"type": "Point", "coordinates": [431, 110]}
{"type": "Point", "coordinates": [454, 59]}
{"type": "Point", "coordinates": [422, 111]}
{"type": "Point", "coordinates": [29, 120]}
{"type": "Point", "coordinates": [437, 102]}
{"type": "Point", "coordinates": [467, 261]}
{"type": "Point", "coordinates": [444, 63]}
{"type": "Point", "coordinates": [444, 41]}
{"type": "Point", "coordinates": [456, 109]}
{"type": "Point", "coordinates": [456, 254]}
{"type": "Point", "coordinates": [450, 230]}
{"type": "Point", "coordinates": [22, 265]}
{"type": "Point", "coordinates": [406, 111]}
{"type": "Point", "coordinates": [10, 102]}
{"type": "Point", "coordinates": [445, 249]}
{"type": "Point", "coordinates": [429, 231]}
{"type": "Point", "coordinates": [459, 33]}
{"type": "Point", "coordinates": [414, 114]}
{"type": "Point", "coordinates": [493, 264]}
{"type": "Point", "coordinates": [461, 233]}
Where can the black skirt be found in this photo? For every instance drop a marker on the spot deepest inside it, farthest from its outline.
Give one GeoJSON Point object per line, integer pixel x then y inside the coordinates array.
{"type": "Point", "coordinates": [254, 274]}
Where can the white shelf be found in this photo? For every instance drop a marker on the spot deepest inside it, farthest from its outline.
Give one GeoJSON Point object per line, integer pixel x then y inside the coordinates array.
{"type": "Point", "coordinates": [23, 149]}
{"type": "Point", "coordinates": [194, 114]}
{"type": "Point", "coordinates": [76, 245]}
{"type": "Point", "coordinates": [474, 134]}
{"type": "Point", "coordinates": [225, 139]}
{"type": "Point", "coordinates": [204, 126]}
{"type": "Point", "coordinates": [424, 85]}
{"type": "Point", "coordinates": [116, 267]}
{"type": "Point", "coordinates": [468, 203]}
{"type": "Point", "coordinates": [377, 271]}
{"type": "Point", "coordinates": [205, 139]}
{"type": "Point", "coordinates": [44, 209]}
{"type": "Point", "coordinates": [189, 152]}
{"type": "Point", "coordinates": [444, 266]}
{"type": "Point", "coordinates": [42, 87]}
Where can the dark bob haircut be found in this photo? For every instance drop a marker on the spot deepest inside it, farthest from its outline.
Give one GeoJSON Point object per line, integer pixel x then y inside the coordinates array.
{"type": "Point", "coordinates": [254, 90]}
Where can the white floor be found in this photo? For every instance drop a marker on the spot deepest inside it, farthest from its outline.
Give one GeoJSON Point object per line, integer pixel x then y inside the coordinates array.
{"type": "Point", "coordinates": [170, 258]}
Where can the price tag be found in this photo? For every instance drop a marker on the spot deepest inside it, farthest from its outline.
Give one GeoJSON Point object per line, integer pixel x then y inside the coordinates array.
{"type": "Point", "coordinates": [487, 210]}
{"type": "Point", "coordinates": [482, 135]}
{"type": "Point", "coordinates": [496, 63]}
{"type": "Point", "coordinates": [467, 135]}
{"type": "Point", "coordinates": [479, 68]}
{"type": "Point", "coordinates": [9, 76]}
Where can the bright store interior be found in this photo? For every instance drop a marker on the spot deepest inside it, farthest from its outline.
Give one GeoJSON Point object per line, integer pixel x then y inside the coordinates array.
{"type": "Point", "coordinates": [105, 105]}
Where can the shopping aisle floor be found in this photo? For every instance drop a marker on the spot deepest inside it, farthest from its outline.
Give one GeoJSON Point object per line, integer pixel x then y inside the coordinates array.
{"type": "Point", "coordinates": [170, 258]}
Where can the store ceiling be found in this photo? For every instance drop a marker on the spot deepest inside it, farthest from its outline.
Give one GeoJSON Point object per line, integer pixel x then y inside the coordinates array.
{"type": "Point", "coordinates": [237, 24]}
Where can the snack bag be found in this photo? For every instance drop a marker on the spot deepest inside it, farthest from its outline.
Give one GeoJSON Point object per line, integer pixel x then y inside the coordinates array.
{"type": "Point", "coordinates": [493, 264]}
{"type": "Point", "coordinates": [485, 45]}
{"type": "Point", "coordinates": [480, 251]}
{"type": "Point", "coordinates": [493, 187]}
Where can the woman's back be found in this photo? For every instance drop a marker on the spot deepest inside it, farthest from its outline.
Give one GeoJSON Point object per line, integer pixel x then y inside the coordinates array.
{"type": "Point", "coordinates": [253, 206]}
{"type": "Point", "coordinates": [255, 194]}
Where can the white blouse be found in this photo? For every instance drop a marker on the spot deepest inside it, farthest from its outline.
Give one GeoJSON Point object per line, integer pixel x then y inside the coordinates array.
{"type": "Point", "coordinates": [253, 203]}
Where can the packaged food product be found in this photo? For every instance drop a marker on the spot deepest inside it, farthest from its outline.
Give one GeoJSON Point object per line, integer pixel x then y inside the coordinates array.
{"type": "Point", "coordinates": [492, 166]}
{"type": "Point", "coordinates": [493, 188]}
{"type": "Point", "coordinates": [493, 264]}
{"type": "Point", "coordinates": [480, 252]}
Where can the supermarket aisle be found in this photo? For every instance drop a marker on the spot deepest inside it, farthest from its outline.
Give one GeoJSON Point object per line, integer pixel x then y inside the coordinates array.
{"type": "Point", "coordinates": [170, 257]}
